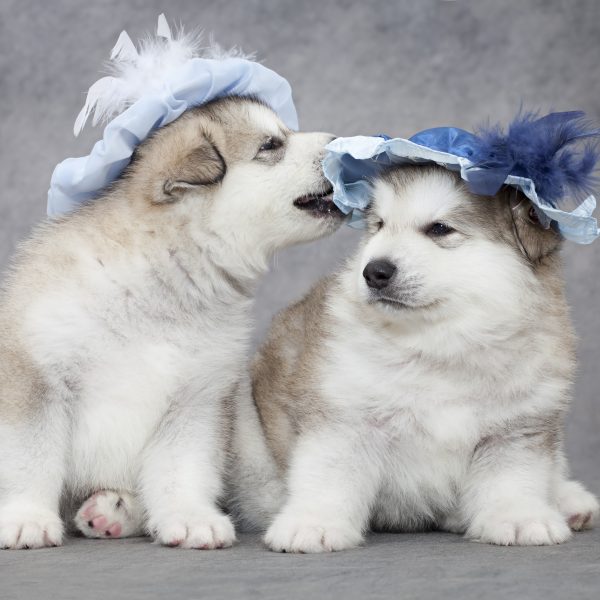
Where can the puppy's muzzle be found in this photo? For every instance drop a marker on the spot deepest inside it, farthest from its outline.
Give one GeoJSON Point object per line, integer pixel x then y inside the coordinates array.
{"type": "Point", "coordinates": [379, 273]}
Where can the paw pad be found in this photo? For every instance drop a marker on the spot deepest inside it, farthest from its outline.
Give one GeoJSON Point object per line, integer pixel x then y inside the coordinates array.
{"type": "Point", "coordinates": [104, 515]}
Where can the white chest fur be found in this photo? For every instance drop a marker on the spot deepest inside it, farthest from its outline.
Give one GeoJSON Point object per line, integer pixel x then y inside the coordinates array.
{"type": "Point", "coordinates": [122, 346]}
{"type": "Point", "coordinates": [421, 418]}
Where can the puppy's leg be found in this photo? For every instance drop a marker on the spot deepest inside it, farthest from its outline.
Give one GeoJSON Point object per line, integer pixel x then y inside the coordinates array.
{"type": "Point", "coordinates": [508, 496]}
{"type": "Point", "coordinates": [33, 434]}
{"type": "Point", "coordinates": [256, 490]}
{"type": "Point", "coordinates": [181, 478]}
{"type": "Point", "coordinates": [331, 488]}
{"type": "Point", "coordinates": [579, 507]}
{"type": "Point", "coordinates": [110, 514]}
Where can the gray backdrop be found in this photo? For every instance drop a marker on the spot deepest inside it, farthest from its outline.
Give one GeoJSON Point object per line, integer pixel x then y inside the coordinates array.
{"type": "Point", "coordinates": [356, 67]}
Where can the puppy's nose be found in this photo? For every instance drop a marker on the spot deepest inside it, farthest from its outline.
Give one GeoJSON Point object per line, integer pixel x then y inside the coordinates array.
{"type": "Point", "coordinates": [378, 273]}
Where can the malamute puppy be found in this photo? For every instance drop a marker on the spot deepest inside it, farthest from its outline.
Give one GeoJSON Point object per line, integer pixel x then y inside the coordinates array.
{"type": "Point", "coordinates": [424, 386]}
{"type": "Point", "coordinates": [123, 328]}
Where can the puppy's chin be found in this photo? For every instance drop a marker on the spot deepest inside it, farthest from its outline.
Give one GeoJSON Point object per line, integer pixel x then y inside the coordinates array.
{"type": "Point", "coordinates": [389, 304]}
{"type": "Point", "coordinates": [402, 308]}
{"type": "Point", "coordinates": [395, 305]}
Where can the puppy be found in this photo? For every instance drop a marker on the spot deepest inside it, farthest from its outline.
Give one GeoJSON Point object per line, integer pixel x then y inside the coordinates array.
{"type": "Point", "coordinates": [123, 327]}
{"type": "Point", "coordinates": [424, 386]}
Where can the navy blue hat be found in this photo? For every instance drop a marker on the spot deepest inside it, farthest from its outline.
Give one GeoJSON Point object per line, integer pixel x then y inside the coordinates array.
{"type": "Point", "coordinates": [542, 156]}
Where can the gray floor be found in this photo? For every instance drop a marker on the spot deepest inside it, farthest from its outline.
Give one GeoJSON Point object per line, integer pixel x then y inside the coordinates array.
{"type": "Point", "coordinates": [389, 566]}
{"type": "Point", "coordinates": [393, 66]}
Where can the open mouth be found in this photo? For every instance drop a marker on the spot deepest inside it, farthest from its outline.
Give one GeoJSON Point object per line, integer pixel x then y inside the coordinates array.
{"type": "Point", "coordinates": [319, 205]}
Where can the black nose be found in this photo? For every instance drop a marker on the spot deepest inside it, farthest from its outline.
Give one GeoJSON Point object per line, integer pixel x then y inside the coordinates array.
{"type": "Point", "coordinates": [378, 273]}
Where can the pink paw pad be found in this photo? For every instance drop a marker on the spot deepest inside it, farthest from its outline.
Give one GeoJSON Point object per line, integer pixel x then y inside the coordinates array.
{"type": "Point", "coordinates": [90, 507]}
{"type": "Point", "coordinates": [114, 530]}
{"type": "Point", "coordinates": [98, 523]}
{"type": "Point", "coordinates": [100, 516]}
{"type": "Point", "coordinates": [579, 521]}
{"type": "Point", "coordinates": [103, 527]}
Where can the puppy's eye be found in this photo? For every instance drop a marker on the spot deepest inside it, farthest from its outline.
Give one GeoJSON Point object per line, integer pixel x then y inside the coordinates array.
{"type": "Point", "coordinates": [439, 230]}
{"type": "Point", "coordinates": [270, 143]}
{"type": "Point", "coordinates": [532, 215]}
{"type": "Point", "coordinates": [379, 225]}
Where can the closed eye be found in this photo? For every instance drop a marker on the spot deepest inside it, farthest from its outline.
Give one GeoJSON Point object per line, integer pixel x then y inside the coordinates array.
{"type": "Point", "coordinates": [270, 144]}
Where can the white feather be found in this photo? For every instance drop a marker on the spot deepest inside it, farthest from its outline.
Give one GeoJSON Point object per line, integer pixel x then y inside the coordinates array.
{"type": "Point", "coordinates": [136, 72]}
{"type": "Point", "coordinates": [163, 29]}
{"type": "Point", "coordinates": [124, 48]}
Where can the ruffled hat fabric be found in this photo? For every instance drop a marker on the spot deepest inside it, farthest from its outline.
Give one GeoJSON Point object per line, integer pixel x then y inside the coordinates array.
{"type": "Point", "coordinates": [151, 87]}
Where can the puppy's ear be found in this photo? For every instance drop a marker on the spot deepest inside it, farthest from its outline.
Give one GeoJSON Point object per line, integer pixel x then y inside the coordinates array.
{"type": "Point", "coordinates": [203, 166]}
{"type": "Point", "coordinates": [532, 239]}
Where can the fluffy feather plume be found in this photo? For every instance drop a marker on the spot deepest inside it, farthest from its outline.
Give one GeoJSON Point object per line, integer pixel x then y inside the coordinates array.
{"type": "Point", "coordinates": [546, 150]}
{"type": "Point", "coordinates": [135, 72]}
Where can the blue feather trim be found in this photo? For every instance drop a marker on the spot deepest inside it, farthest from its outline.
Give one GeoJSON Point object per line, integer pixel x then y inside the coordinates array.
{"type": "Point", "coordinates": [546, 150]}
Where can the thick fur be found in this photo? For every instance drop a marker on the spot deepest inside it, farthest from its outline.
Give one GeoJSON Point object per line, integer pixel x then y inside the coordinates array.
{"type": "Point", "coordinates": [435, 402]}
{"type": "Point", "coordinates": [124, 327]}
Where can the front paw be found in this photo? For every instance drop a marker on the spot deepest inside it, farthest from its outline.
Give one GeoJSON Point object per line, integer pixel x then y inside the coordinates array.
{"type": "Point", "coordinates": [311, 534]}
{"type": "Point", "coordinates": [24, 527]}
{"type": "Point", "coordinates": [516, 526]}
{"type": "Point", "coordinates": [579, 507]}
{"type": "Point", "coordinates": [198, 529]}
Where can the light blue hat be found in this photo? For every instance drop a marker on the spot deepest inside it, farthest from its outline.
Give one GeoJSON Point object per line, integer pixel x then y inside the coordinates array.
{"type": "Point", "coordinates": [150, 87]}
{"type": "Point", "coordinates": [537, 155]}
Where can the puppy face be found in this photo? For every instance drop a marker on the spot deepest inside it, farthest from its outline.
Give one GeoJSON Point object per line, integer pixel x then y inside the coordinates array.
{"type": "Point", "coordinates": [434, 249]}
{"type": "Point", "coordinates": [233, 165]}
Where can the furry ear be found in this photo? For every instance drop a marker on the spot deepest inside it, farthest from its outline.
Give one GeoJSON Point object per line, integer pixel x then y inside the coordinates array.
{"type": "Point", "coordinates": [203, 166]}
{"type": "Point", "coordinates": [532, 239]}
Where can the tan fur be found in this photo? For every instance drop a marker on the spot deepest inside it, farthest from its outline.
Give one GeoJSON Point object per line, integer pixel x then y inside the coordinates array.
{"type": "Point", "coordinates": [124, 325]}
{"type": "Point", "coordinates": [283, 372]}
{"type": "Point", "coordinates": [284, 368]}
{"type": "Point", "coordinates": [401, 417]}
